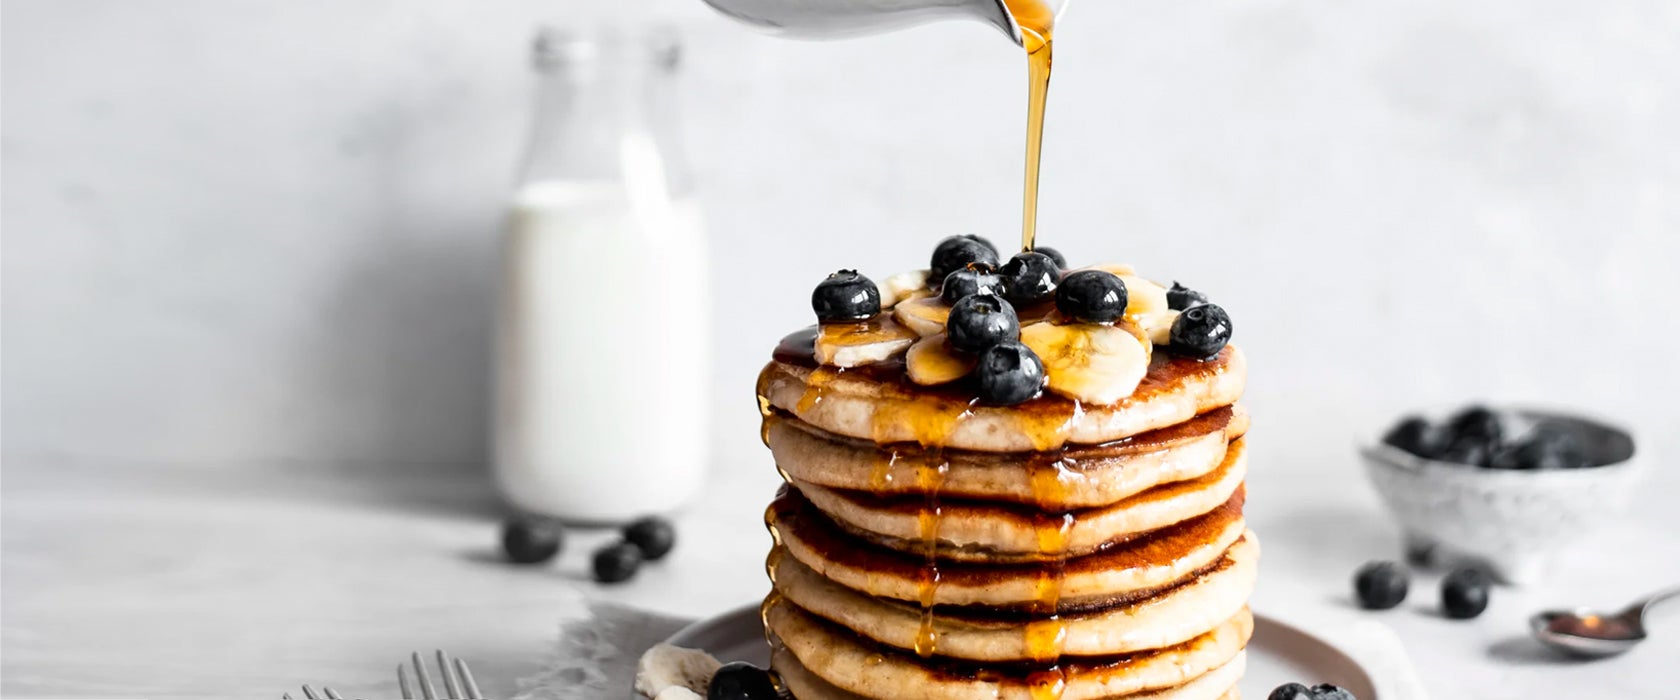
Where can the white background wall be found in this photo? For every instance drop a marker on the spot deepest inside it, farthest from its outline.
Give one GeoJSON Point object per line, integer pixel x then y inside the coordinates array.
{"type": "Point", "coordinates": [248, 234]}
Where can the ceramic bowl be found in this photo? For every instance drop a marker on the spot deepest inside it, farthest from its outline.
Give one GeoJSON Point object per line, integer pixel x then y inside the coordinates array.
{"type": "Point", "coordinates": [1510, 522]}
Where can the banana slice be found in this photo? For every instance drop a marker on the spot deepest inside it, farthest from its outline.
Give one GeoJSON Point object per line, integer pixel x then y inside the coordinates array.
{"type": "Point", "coordinates": [863, 343]}
{"type": "Point", "coordinates": [1089, 362]}
{"type": "Point", "coordinates": [666, 667]}
{"type": "Point", "coordinates": [932, 361]}
{"type": "Point", "coordinates": [1116, 269]}
{"type": "Point", "coordinates": [1144, 298]}
{"type": "Point", "coordinates": [925, 316]}
{"type": "Point", "coordinates": [904, 286]}
{"type": "Point", "coordinates": [1158, 326]}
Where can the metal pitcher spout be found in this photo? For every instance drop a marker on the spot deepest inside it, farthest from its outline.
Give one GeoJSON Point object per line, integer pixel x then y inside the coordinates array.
{"type": "Point", "coordinates": [833, 19]}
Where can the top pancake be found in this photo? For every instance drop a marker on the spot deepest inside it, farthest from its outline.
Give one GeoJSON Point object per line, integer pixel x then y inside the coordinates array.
{"type": "Point", "coordinates": [878, 403]}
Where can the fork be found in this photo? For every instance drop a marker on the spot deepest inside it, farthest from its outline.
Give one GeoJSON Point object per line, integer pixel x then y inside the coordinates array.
{"type": "Point", "coordinates": [461, 680]}
{"type": "Point", "coordinates": [309, 694]}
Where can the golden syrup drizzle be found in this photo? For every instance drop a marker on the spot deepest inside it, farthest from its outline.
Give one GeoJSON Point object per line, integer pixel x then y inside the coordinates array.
{"type": "Point", "coordinates": [931, 424]}
{"type": "Point", "coordinates": [816, 387]}
{"type": "Point", "coordinates": [772, 563]}
{"type": "Point", "coordinates": [930, 478]}
{"type": "Point", "coordinates": [1037, 22]}
{"type": "Point", "coordinates": [1046, 635]}
{"type": "Point", "coordinates": [881, 477]}
{"type": "Point", "coordinates": [770, 601]}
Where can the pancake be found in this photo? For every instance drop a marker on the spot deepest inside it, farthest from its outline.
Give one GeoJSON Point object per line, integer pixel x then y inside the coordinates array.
{"type": "Point", "coordinates": [877, 403]}
{"type": "Point", "coordinates": [848, 663]}
{"type": "Point", "coordinates": [807, 686]}
{"type": "Point", "coordinates": [977, 531]}
{"type": "Point", "coordinates": [1176, 615]}
{"type": "Point", "coordinates": [1082, 476]}
{"type": "Point", "coordinates": [1124, 572]}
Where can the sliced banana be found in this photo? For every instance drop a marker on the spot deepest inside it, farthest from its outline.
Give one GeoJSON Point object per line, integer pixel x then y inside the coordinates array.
{"type": "Point", "coordinates": [925, 316]}
{"type": "Point", "coordinates": [1093, 363]}
{"type": "Point", "coordinates": [904, 286]}
{"type": "Point", "coordinates": [1116, 269]}
{"type": "Point", "coordinates": [665, 667]}
{"type": "Point", "coordinates": [863, 343]}
{"type": "Point", "coordinates": [1144, 298]}
{"type": "Point", "coordinates": [1158, 326]}
{"type": "Point", "coordinates": [932, 361]}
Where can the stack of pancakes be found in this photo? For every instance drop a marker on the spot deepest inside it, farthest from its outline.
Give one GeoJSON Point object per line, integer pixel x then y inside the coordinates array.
{"type": "Point", "coordinates": [927, 546]}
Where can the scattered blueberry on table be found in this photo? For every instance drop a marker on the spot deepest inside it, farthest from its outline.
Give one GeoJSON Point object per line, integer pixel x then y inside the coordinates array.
{"type": "Point", "coordinates": [846, 296]}
{"type": "Point", "coordinates": [741, 681]}
{"type": "Point", "coordinates": [617, 562]}
{"type": "Point", "coordinates": [655, 536]}
{"type": "Point", "coordinates": [1464, 594]}
{"type": "Point", "coordinates": [530, 541]}
{"type": "Point", "coordinates": [1381, 585]}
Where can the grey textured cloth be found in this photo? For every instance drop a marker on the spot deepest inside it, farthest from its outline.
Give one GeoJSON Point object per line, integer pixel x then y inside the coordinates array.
{"type": "Point", "coordinates": [597, 653]}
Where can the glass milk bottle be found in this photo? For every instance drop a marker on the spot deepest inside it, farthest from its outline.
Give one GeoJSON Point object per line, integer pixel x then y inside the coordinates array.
{"type": "Point", "coordinates": [602, 364]}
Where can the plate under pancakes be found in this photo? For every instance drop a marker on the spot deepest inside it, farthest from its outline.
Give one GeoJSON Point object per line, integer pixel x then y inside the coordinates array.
{"type": "Point", "coordinates": [1126, 571]}
{"type": "Point", "coordinates": [846, 662]}
{"type": "Point", "coordinates": [875, 403]}
{"type": "Point", "coordinates": [1171, 617]}
{"type": "Point", "coordinates": [1081, 476]}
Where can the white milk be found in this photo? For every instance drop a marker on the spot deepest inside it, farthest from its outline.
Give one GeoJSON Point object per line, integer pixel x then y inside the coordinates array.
{"type": "Point", "coordinates": [603, 365]}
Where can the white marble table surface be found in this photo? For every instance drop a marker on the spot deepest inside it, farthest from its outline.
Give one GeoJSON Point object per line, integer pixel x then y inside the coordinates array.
{"type": "Point", "coordinates": [127, 581]}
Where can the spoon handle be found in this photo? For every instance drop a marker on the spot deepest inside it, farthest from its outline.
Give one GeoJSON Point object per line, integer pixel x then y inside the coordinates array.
{"type": "Point", "coordinates": [1641, 607]}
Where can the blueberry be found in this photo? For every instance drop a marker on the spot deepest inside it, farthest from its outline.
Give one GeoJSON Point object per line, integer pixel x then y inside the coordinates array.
{"type": "Point", "coordinates": [1200, 332]}
{"type": "Point", "coordinates": [1056, 255]}
{"type": "Point", "coordinates": [1477, 423]}
{"type": "Point", "coordinates": [1325, 691]}
{"type": "Point", "coordinates": [528, 541]}
{"type": "Point", "coordinates": [653, 535]}
{"type": "Point", "coordinates": [1093, 296]}
{"type": "Point", "coordinates": [958, 252]}
{"type": "Point", "coordinates": [741, 681]}
{"type": "Point", "coordinates": [846, 296]}
{"type": "Point", "coordinates": [1417, 436]}
{"type": "Point", "coordinates": [981, 321]}
{"type": "Point", "coordinates": [1181, 297]}
{"type": "Point", "coordinates": [1290, 691]}
{"type": "Point", "coordinates": [1030, 278]}
{"type": "Point", "coordinates": [973, 279]}
{"type": "Point", "coordinates": [617, 562]}
{"type": "Point", "coordinates": [1544, 447]}
{"type": "Point", "coordinates": [1380, 585]}
{"type": "Point", "coordinates": [1009, 373]}
{"type": "Point", "coordinates": [1464, 594]}
{"type": "Point", "coordinates": [1468, 451]}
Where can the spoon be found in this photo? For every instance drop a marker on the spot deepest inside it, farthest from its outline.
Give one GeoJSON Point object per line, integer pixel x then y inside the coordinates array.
{"type": "Point", "coordinates": [1594, 635]}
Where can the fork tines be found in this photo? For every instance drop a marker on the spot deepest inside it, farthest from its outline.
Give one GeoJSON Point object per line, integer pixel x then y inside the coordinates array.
{"type": "Point", "coordinates": [457, 679]}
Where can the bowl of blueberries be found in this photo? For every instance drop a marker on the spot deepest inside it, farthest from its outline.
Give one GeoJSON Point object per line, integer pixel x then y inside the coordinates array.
{"type": "Point", "coordinates": [1504, 489]}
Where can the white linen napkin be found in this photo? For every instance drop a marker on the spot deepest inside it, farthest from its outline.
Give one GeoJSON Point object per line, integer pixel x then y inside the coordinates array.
{"type": "Point", "coordinates": [597, 654]}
